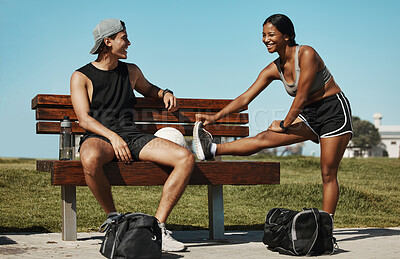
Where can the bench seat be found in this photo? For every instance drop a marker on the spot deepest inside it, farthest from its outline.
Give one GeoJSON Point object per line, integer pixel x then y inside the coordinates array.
{"type": "Point", "coordinates": [148, 173]}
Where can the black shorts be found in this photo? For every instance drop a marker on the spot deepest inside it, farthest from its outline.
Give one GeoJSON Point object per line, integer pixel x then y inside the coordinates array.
{"type": "Point", "coordinates": [135, 140]}
{"type": "Point", "coordinates": [329, 117]}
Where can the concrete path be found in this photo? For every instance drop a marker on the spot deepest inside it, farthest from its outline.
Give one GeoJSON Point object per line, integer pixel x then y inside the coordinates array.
{"type": "Point", "coordinates": [353, 243]}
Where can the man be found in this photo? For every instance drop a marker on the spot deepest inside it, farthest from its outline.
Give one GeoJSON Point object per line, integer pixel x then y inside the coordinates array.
{"type": "Point", "coordinates": [103, 100]}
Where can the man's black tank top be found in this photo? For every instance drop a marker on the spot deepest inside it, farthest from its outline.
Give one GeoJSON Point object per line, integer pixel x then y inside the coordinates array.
{"type": "Point", "coordinates": [113, 99]}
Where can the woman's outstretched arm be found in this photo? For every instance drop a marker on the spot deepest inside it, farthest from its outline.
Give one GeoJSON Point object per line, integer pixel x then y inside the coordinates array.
{"type": "Point", "coordinates": [266, 76]}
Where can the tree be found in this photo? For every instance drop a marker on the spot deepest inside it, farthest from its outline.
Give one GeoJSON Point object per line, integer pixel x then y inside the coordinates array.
{"type": "Point", "coordinates": [365, 136]}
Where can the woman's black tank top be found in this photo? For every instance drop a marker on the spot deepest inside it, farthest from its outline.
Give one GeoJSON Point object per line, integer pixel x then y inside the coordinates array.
{"type": "Point", "coordinates": [113, 99]}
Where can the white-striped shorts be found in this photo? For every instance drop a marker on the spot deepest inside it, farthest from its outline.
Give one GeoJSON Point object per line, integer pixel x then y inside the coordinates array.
{"type": "Point", "coordinates": [329, 117]}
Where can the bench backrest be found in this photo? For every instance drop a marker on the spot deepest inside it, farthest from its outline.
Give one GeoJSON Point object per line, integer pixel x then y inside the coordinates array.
{"type": "Point", "coordinates": [150, 116]}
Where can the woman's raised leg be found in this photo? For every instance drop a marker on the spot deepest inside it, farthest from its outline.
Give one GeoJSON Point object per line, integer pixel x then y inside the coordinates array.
{"type": "Point", "coordinates": [298, 132]}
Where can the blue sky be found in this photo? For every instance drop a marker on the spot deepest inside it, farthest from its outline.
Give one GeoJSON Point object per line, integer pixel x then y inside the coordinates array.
{"type": "Point", "coordinates": [200, 49]}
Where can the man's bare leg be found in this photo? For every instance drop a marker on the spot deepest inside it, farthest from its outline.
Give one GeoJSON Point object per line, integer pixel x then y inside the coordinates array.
{"type": "Point", "coordinates": [95, 153]}
{"type": "Point", "coordinates": [166, 153]}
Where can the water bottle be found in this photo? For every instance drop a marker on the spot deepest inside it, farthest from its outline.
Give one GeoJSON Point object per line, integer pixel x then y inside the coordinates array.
{"type": "Point", "coordinates": [65, 140]}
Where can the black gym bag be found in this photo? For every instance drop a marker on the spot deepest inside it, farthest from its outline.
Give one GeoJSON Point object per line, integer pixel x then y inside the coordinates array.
{"type": "Point", "coordinates": [131, 235]}
{"type": "Point", "coordinates": [307, 232]}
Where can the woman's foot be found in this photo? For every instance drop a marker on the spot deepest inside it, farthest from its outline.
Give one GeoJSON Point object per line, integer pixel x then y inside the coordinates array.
{"type": "Point", "coordinates": [202, 142]}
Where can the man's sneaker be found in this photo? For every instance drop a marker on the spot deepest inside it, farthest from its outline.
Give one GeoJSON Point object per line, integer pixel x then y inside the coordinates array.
{"type": "Point", "coordinates": [169, 244]}
{"type": "Point", "coordinates": [202, 142]}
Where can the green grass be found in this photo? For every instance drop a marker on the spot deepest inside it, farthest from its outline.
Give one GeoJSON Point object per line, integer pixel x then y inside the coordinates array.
{"type": "Point", "coordinates": [370, 197]}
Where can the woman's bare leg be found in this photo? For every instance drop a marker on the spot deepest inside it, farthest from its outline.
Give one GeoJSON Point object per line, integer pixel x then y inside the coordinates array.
{"type": "Point", "coordinates": [298, 132]}
{"type": "Point", "coordinates": [332, 150]}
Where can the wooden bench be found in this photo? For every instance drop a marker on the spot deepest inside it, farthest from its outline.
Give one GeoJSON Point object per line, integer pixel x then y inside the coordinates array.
{"type": "Point", "coordinates": [150, 116]}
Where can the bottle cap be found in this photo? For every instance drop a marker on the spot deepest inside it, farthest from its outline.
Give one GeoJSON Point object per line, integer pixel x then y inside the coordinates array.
{"type": "Point", "coordinates": [66, 123]}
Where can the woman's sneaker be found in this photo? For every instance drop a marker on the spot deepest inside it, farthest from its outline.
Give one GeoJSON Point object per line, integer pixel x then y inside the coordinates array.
{"type": "Point", "coordinates": [170, 244]}
{"type": "Point", "coordinates": [202, 142]}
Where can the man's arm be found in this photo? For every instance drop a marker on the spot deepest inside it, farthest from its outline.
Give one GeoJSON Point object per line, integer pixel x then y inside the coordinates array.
{"type": "Point", "coordinates": [147, 89]}
{"type": "Point", "coordinates": [80, 102]}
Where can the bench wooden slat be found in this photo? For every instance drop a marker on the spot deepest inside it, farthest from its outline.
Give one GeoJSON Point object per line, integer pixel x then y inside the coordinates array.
{"type": "Point", "coordinates": [50, 100]}
{"type": "Point", "coordinates": [47, 127]}
{"type": "Point", "coordinates": [54, 114]}
{"type": "Point", "coordinates": [147, 173]}
{"type": "Point", "coordinates": [47, 100]}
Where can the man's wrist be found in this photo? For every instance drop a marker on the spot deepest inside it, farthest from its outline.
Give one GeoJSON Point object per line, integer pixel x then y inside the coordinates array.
{"type": "Point", "coordinates": [283, 126]}
{"type": "Point", "coordinates": [112, 135]}
{"type": "Point", "coordinates": [166, 91]}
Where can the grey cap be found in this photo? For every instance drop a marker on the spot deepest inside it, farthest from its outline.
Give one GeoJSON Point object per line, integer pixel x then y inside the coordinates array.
{"type": "Point", "coordinates": [105, 29]}
{"type": "Point", "coordinates": [66, 123]}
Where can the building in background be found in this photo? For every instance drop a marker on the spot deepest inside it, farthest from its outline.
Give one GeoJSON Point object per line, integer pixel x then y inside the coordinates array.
{"type": "Point", "coordinates": [390, 136]}
{"type": "Point", "coordinates": [390, 141]}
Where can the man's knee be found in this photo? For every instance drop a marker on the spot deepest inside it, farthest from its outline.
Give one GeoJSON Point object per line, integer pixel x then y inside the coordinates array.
{"type": "Point", "coordinates": [92, 162]}
{"type": "Point", "coordinates": [184, 156]}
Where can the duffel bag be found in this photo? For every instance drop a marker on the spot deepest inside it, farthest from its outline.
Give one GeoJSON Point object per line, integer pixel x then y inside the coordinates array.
{"type": "Point", "coordinates": [306, 232]}
{"type": "Point", "coordinates": [131, 235]}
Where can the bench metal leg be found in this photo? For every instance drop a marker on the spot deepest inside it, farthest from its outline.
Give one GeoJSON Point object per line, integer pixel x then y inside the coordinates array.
{"type": "Point", "coordinates": [216, 206]}
{"type": "Point", "coordinates": [216, 212]}
{"type": "Point", "coordinates": [68, 213]}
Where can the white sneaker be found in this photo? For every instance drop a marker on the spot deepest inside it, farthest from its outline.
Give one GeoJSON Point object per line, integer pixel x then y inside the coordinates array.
{"type": "Point", "coordinates": [169, 244]}
{"type": "Point", "coordinates": [202, 142]}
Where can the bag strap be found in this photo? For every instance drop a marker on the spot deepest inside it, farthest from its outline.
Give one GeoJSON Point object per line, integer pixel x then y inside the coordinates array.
{"type": "Point", "coordinates": [107, 223]}
{"type": "Point", "coordinates": [141, 220]}
{"type": "Point", "coordinates": [275, 215]}
{"type": "Point", "coordinates": [310, 244]}
{"type": "Point", "coordinates": [286, 214]}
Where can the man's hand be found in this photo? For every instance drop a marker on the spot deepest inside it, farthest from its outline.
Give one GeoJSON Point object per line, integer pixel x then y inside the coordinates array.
{"type": "Point", "coordinates": [121, 149]}
{"type": "Point", "coordinates": [170, 102]}
{"type": "Point", "coordinates": [206, 119]}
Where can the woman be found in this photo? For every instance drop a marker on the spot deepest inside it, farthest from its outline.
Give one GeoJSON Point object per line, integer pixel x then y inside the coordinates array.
{"type": "Point", "coordinates": [319, 112]}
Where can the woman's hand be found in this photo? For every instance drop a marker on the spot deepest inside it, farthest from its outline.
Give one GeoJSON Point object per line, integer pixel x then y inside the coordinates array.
{"type": "Point", "coordinates": [275, 126]}
{"type": "Point", "coordinates": [206, 119]}
{"type": "Point", "coordinates": [121, 149]}
{"type": "Point", "coordinates": [170, 102]}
